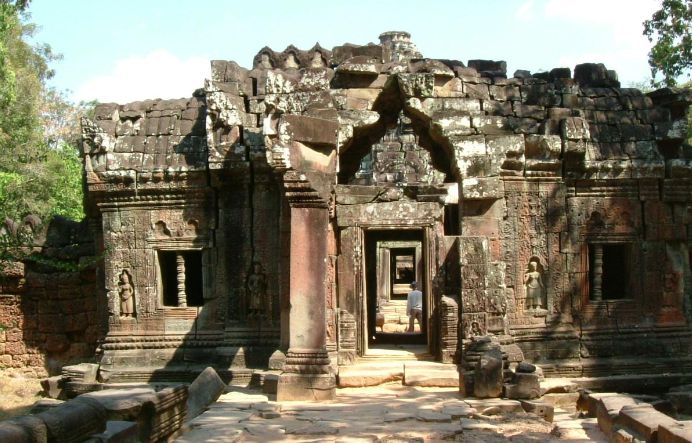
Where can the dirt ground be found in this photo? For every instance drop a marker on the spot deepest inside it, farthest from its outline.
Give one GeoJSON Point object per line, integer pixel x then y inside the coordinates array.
{"type": "Point", "coordinates": [18, 392]}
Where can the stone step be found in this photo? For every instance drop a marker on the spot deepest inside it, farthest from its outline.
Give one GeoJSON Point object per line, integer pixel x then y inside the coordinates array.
{"type": "Point", "coordinates": [430, 374]}
{"type": "Point", "coordinates": [410, 373]}
{"type": "Point", "coordinates": [369, 374]}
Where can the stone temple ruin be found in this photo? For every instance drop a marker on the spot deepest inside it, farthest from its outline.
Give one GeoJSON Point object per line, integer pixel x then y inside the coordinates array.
{"type": "Point", "coordinates": [276, 218]}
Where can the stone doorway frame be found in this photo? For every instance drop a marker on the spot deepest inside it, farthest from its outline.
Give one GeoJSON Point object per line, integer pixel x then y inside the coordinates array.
{"type": "Point", "coordinates": [425, 282]}
{"type": "Point", "coordinates": [353, 223]}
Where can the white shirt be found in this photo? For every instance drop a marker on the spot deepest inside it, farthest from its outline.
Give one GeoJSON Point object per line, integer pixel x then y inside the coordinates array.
{"type": "Point", "coordinates": [414, 301]}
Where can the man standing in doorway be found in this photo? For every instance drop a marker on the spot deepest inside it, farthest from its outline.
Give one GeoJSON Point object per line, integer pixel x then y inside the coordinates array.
{"type": "Point", "coordinates": [414, 307]}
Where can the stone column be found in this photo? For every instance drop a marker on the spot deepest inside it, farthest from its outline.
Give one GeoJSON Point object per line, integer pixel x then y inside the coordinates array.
{"type": "Point", "coordinates": [180, 275]}
{"type": "Point", "coordinates": [597, 289]}
{"type": "Point", "coordinates": [307, 375]}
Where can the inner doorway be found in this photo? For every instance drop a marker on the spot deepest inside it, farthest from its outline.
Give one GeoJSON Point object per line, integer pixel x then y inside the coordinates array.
{"type": "Point", "coordinates": [394, 259]}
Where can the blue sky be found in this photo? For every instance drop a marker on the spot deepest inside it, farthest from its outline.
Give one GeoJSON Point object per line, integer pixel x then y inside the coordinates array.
{"type": "Point", "coordinates": [130, 50]}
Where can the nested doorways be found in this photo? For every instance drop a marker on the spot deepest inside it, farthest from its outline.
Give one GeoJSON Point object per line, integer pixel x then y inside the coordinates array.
{"type": "Point", "coordinates": [394, 258]}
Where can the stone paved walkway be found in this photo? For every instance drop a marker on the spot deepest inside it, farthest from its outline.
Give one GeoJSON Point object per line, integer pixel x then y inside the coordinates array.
{"type": "Point", "coordinates": [388, 413]}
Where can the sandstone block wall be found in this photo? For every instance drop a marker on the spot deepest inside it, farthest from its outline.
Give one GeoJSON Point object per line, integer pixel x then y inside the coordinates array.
{"type": "Point", "coordinates": [48, 302]}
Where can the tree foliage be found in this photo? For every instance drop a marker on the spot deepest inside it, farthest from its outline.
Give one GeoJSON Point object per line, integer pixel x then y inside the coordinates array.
{"type": "Point", "coordinates": [40, 169]}
{"type": "Point", "coordinates": [670, 30]}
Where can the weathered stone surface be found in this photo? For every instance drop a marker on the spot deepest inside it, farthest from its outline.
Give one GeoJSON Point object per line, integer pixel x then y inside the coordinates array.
{"type": "Point", "coordinates": [118, 432]}
{"type": "Point", "coordinates": [675, 433]}
{"type": "Point", "coordinates": [594, 74]}
{"type": "Point", "coordinates": [369, 375]}
{"type": "Point", "coordinates": [643, 420]}
{"type": "Point", "coordinates": [74, 421]}
{"type": "Point", "coordinates": [202, 392]}
{"type": "Point", "coordinates": [487, 377]}
{"type": "Point", "coordinates": [544, 410]}
{"type": "Point", "coordinates": [53, 386]}
{"type": "Point", "coordinates": [421, 374]}
{"type": "Point", "coordinates": [26, 429]}
{"type": "Point", "coordinates": [523, 386]}
{"type": "Point", "coordinates": [432, 416]}
{"type": "Point", "coordinates": [608, 408]}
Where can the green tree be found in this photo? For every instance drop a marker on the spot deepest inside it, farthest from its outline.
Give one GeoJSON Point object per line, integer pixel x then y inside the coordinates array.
{"type": "Point", "coordinates": [670, 30]}
{"type": "Point", "coordinates": [40, 169]}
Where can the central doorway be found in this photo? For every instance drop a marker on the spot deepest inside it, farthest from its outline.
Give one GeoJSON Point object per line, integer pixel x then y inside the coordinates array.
{"type": "Point", "coordinates": [394, 259]}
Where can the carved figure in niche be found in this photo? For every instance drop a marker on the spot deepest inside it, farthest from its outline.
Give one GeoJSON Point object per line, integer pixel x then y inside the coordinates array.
{"type": "Point", "coordinates": [534, 286]}
{"type": "Point", "coordinates": [475, 330]}
{"type": "Point", "coordinates": [127, 295]}
{"type": "Point", "coordinates": [256, 291]}
{"type": "Point", "coordinates": [497, 304]}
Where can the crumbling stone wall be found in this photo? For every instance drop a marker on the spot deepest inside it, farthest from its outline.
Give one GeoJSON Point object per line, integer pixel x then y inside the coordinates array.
{"type": "Point", "coordinates": [48, 300]}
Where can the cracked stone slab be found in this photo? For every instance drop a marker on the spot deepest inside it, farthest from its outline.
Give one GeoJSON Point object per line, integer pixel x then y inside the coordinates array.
{"type": "Point", "coordinates": [475, 425]}
{"type": "Point", "coordinates": [312, 428]}
{"type": "Point", "coordinates": [211, 435]}
{"type": "Point", "coordinates": [494, 406]}
{"type": "Point", "coordinates": [217, 416]}
{"type": "Point", "coordinates": [458, 411]}
{"type": "Point", "coordinates": [392, 417]}
{"type": "Point", "coordinates": [432, 416]}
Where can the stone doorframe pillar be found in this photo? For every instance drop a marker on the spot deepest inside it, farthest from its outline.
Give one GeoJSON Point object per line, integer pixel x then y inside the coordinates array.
{"type": "Point", "coordinates": [307, 374]}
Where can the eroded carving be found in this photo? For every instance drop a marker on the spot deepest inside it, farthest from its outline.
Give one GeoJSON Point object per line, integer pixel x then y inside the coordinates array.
{"type": "Point", "coordinates": [127, 295]}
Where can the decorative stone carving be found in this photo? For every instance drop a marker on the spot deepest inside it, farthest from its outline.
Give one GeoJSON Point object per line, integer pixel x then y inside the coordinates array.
{"type": "Point", "coordinates": [533, 281]}
{"type": "Point", "coordinates": [449, 329]}
{"type": "Point", "coordinates": [374, 143]}
{"type": "Point", "coordinates": [127, 295]}
{"type": "Point", "coordinates": [347, 337]}
{"type": "Point", "coordinates": [259, 307]}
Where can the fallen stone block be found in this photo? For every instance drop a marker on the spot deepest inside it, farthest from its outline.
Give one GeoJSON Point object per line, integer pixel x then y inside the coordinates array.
{"type": "Point", "coordinates": [643, 420]}
{"type": "Point", "coordinates": [622, 436]}
{"type": "Point", "coordinates": [541, 409]}
{"type": "Point", "coordinates": [74, 421]}
{"type": "Point", "coordinates": [163, 414]}
{"type": "Point", "coordinates": [26, 429]}
{"type": "Point", "coordinates": [487, 378]}
{"type": "Point", "coordinates": [117, 432]}
{"type": "Point", "coordinates": [73, 389]}
{"type": "Point", "coordinates": [608, 408]}
{"type": "Point", "coordinates": [44, 404]}
{"type": "Point", "coordinates": [122, 404]}
{"type": "Point", "coordinates": [524, 386]}
{"type": "Point", "coordinates": [84, 372]}
{"type": "Point", "coordinates": [680, 432]}
{"type": "Point", "coordinates": [203, 391]}
{"type": "Point", "coordinates": [53, 386]}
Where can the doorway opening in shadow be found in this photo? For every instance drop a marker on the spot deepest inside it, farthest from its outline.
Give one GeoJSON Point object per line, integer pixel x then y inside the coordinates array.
{"type": "Point", "coordinates": [394, 259]}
